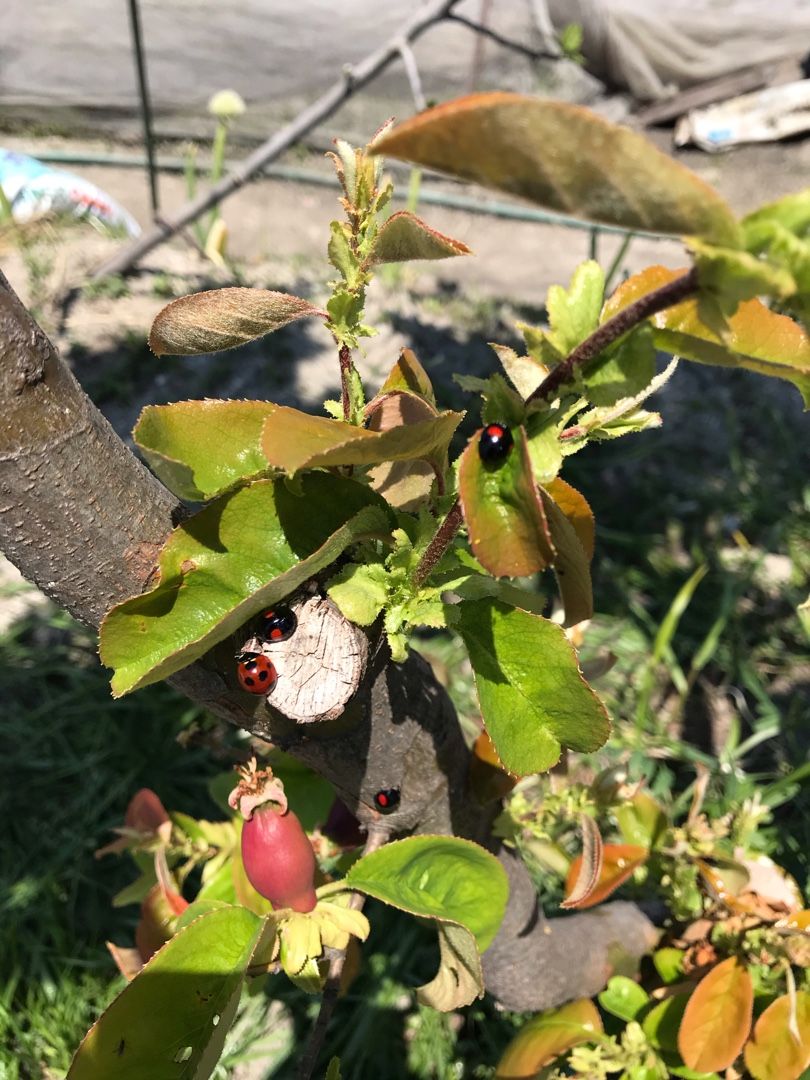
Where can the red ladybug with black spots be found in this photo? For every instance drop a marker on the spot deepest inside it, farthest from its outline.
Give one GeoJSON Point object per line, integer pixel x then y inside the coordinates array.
{"type": "Point", "coordinates": [256, 673]}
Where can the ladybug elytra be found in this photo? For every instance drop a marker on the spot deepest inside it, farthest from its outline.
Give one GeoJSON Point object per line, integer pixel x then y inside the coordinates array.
{"type": "Point", "coordinates": [495, 442]}
{"type": "Point", "coordinates": [256, 673]}
{"type": "Point", "coordinates": [278, 623]}
{"type": "Point", "coordinates": [387, 800]}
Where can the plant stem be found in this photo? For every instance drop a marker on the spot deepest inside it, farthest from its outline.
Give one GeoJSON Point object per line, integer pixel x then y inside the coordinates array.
{"type": "Point", "coordinates": [345, 357]}
{"type": "Point", "coordinates": [438, 545]}
{"type": "Point", "coordinates": [377, 836]}
{"type": "Point", "coordinates": [667, 296]}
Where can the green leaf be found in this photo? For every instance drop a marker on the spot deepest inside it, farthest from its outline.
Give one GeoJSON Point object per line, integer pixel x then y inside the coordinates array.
{"type": "Point", "coordinates": [341, 255]}
{"type": "Point", "coordinates": [791, 212]}
{"type": "Point", "coordinates": [530, 709]}
{"type": "Point", "coordinates": [733, 275]}
{"type": "Point", "coordinates": [641, 820]}
{"type": "Point", "coordinates": [404, 237]}
{"type": "Point", "coordinates": [246, 550]}
{"type": "Point", "coordinates": [207, 322]}
{"type": "Point", "coordinates": [437, 877]}
{"type": "Point", "coordinates": [669, 964]}
{"type": "Point", "coordinates": [459, 980]}
{"type": "Point", "coordinates": [201, 448]}
{"type": "Point", "coordinates": [509, 534]}
{"type": "Point", "coordinates": [624, 998]}
{"type": "Point", "coordinates": [543, 444]}
{"type": "Point", "coordinates": [170, 1022]}
{"type": "Point", "coordinates": [662, 1022]}
{"type": "Point", "coordinates": [624, 416]}
{"type": "Point", "coordinates": [360, 591]}
{"type": "Point", "coordinates": [574, 314]}
{"type": "Point", "coordinates": [198, 908]}
{"type": "Point", "coordinates": [624, 371]}
{"type": "Point", "coordinates": [294, 440]}
{"type": "Point", "coordinates": [571, 565]}
{"type": "Point", "coordinates": [563, 157]}
{"type": "Point", "coordinates": [757, 338]}
{"type": "Point", "coordinates": [524, 372]}
{"type": "Point", "coordinates": [547, 1036]}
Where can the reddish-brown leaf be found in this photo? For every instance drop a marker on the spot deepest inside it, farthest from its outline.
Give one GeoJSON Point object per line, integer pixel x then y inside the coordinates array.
{"type": "Point", "coordinates": [774, 1051]}
{"type": "Point", "coordinates": [566, 158]}
{"type": "Point", "coordinates": [405, 237]}
{"type": "Point", "coordinates": [717, 1020]}
{"type": "Point", "coordinates": [618, 863]}
{"type": "Point", "coordinates": [579, 890]}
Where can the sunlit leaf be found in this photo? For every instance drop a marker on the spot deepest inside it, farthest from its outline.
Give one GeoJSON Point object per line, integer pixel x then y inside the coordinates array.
{"type": "Point", "coordinates": [201, 448]}
{"type": "Point", "coordinates": [404, 237]}
{"type": "Point", "coordinates": [509, 533]}
{"type": "Point", "coordinates": [404, 484]}
{"type": "Point", "coordinates": [176, 1013]}
{"type": "Point", "coordinates": [573, 313]}
{"type": "Point", "coordinates": [757, 339]}
{"type": "Point", "coordinates": [589, 865]}
{"type": "Point", "coordinates": [619, 862]}
{"type": "Point", "coordinates": [437, 877]}
{"type": "Point", "coordinates": [563, 157]}
{"type": "Point", "coordinates": [294, 440]}
{"type": "Point", "coordinates": [218, 319]}
{"type": "Point", "coordinates": [774, 1052]}
{"type": "Point", "coordinates": [532, 695]}
{"type": "Point", "coordinates": [717, 1019]}
{"type": "Point", "coordinates": [623, 997]}
{"type": "Point", "coordinates": [546, 1037]}
{"type": "Point", "coordinates": [244, 551]}
{"type": "Point", "coordinates": [575, 507]}
{"type": "Point", "coordinates": [641, 819]}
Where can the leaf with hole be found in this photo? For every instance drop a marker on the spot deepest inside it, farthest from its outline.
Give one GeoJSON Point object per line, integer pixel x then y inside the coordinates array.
{"type": "Point", "coordinates": [563, 157]}
{"type": "Point", "coordinates": [244, 551]}
{"type": "Point", "coordinates": [757, 338]}
{"type": "Point", "coordinates": [219, 319]}
{"type": "Point", "coordinates": [532, 695]}
{"type": "Point", "coordinates": [172, 1019]}
{"type": "Point", "coordinates": [509, 532]}
{"type": "Point", "coordinates": [546, 1037]}
{"type": "Point", "coordinates": [717, 1020]}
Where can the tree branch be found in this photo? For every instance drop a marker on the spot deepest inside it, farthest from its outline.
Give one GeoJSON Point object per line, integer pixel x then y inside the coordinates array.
{"type": "Point", "coordinates": [507, 43]}
{"type": "Point", "coordinates": [353, 77]}
{"type": "Point", "coordinates": [82, 518]}
{"type": "Point", "coordinates": [650, 304]}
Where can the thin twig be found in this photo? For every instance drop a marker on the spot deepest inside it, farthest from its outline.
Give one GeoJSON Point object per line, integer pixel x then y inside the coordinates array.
{"type": "Point", "coordinates": [441, 541]}
{"type": "Point", "coordinates": [376, 838]}
{"type": "Point", "coordinates": [414, 79]}
{"type": "Point", "coordinates": [658, 300]}
{"type": "Point", "coordinates": [351, 80]}
{"type": "Point", "coordinates": [516, 46]}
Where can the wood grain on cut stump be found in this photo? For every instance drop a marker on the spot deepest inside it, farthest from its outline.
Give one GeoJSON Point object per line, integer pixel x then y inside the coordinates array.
{"type": "Point", "coordinates": [320, 667]}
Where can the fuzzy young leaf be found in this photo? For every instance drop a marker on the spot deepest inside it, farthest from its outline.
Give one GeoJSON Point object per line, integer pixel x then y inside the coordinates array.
{"type": "Point", "coordinates": [341, 255]}
{"type": "Point", "coordinates": [172, 1019]}
{"type": "Point", "coordinates": [405, 237]}
{"type": "Point", "coordinates": [294, 440]}
{"type": "Point", "coordinates": [509, 533]}
{"type": "Point", "coordinates": [533, 697]}
{"type": "Point", "coordinates": [201, 448]}
{"type": "Point", "coordinates": [437, 877]}
{"type": "Point", "coordinates": [732, 275]}
{"type": "Point", "coordinates": [360, 591]}
{"type": "Point", "coordinates": [717, 1019]}
{"type": "Point", "coordinates": [524, 372]}
{"type": "Point", "coordinates": [597, 170]}
{"type": "Point", "coordinates": [218, 319]}
{"type": "Point", "coordinates": [574, 313]}
{"type": "Point", "coordinates": [757, 338]}
{"type": "Point", "coordinates": [244, 551]}
{"type": "Point", "coordinates": [408, 374]}
{"type": "Point", "coordinates": [546, 1037]}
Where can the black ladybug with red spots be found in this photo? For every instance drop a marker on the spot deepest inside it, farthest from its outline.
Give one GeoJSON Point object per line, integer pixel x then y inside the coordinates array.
{"type": "Point", "coordinates": [494, 443]}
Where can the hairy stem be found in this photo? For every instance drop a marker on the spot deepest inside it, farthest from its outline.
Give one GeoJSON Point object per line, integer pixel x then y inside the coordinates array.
{"type": "Point", "coordinates": [438, 545]}
{"type": "Point", "coordinates": [346, 366]}
{"type": "Point", "coordinates": [658, 300]}
{"type": "Point", "coordinates": [377, 836]}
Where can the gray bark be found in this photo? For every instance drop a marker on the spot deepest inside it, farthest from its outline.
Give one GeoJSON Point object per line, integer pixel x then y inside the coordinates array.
{"type": "Point", "coordinates": [83, 519]}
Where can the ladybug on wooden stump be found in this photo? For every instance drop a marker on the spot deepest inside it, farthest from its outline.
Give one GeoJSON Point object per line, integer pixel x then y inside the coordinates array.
{"type": "Point", "coordinates": [278, 624]}
{"type": "Point", "coordinates": [256, 673]}
{"type": "Point", "coordinates": [495, 442]}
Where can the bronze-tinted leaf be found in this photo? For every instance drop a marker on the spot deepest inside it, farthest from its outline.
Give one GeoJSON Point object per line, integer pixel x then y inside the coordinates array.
{"type": "Point", "coordinates": [509, 533]}
{"type": "Point", "coordinates": [774, 1052]}
{"type": "Point", "coordinates": [589, 866]}
{"type": "Point", "coordinates": [408, 374]}
{"type": "Point", "coordinates": [575, 507]}
{"type": "Point", "coordinates": [619, 861]}
{"type": "Point", "coordinates": [294, 440]}
{"type": "Point", "coordinates": [758, 339]}
{"type": "Point", "coordinates": [717, 1019]}
{"type": "Point", "coordinates": [405, 237]}
{"type": "Point", "coordinates": [546, 1037]}
{"type": "Point", "coordinates": [218, 319]}
{"type": "Point", "coordinates": [404, 484]}
{"type": "Point", "coordinates": [570, 564]}
{"type": "Point", "coordinates": [566, 158]}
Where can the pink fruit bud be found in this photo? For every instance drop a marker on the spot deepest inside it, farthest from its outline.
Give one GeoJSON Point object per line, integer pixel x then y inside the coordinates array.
{"type": "Point", "coordinates": [278, 858]}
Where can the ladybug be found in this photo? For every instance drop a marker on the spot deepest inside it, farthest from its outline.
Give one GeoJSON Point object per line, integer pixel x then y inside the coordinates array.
{"type": "Point", "coordinates": [278, 623]}
{"type": "Point", "coordinates": [495, 442]}
{"type": "Point", "coordinates": [387, 800]}
{"type": "Point", "coordinates": [256, 673]}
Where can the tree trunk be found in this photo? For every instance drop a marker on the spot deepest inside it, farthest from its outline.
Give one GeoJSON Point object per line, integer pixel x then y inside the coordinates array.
{"type": "Point", "coordinates": [84, 520]}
